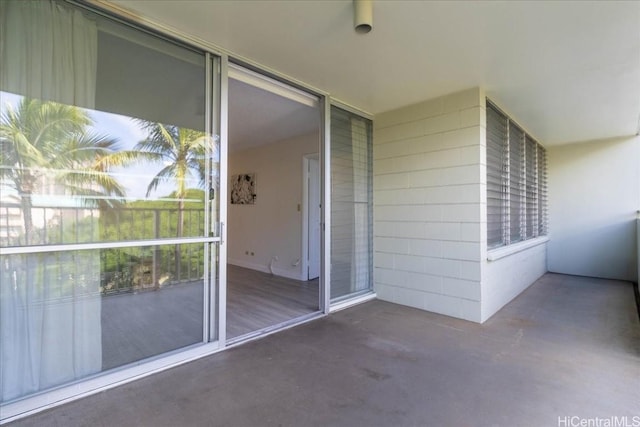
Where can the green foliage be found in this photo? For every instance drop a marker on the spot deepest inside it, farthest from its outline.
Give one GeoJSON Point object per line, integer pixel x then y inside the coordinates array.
{"type": "Point", "coordinates": [144, 220]}
{"type": "Point", "coordinates": [46, 140]}
{"type": "Point", "coordinates": [43, 141]}
{"type": "Point", "coordinates": [155, 219]}
{"type": "Point", "coordinates": [183, 151]}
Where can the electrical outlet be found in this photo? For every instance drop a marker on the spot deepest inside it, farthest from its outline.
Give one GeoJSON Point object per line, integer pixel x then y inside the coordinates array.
{"type": "Point", "coordinates": [246, 252]}
{"type": "Point", "coordinates": [252, 254]}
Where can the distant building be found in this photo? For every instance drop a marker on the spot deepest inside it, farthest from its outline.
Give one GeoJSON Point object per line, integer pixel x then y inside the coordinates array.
{"type": "Point", "coordinates": [11, 223]}
{"type": "Point", "coordinates": [53, 210]}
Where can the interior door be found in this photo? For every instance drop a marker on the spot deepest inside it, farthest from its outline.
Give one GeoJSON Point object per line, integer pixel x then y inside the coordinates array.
{"type": "Point", "coordinates": [314, 211]}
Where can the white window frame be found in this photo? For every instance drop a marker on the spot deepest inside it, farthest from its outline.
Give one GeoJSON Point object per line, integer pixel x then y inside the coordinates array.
{"type": "Point", "coordinates": [532, 207]}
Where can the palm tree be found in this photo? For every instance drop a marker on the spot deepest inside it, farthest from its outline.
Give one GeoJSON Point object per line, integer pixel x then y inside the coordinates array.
{"type": "Point", "coordinates": [183, 152]}
{"type": "Point", "coordinates": [44, 138]}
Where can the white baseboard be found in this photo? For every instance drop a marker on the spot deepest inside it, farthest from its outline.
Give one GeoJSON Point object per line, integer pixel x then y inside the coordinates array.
{"type": "Point", "coordinates": [289, 274]}
{"type": "Point", "coordinates": [249, 265]}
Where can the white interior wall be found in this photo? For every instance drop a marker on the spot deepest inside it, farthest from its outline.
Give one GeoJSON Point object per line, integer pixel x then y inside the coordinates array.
{"type": "Point", "coordinates": [427, 204]}
{"type": "Point", "coordinates": [272, 227]}
{"type": "Point", "coordinates": [594, 196]}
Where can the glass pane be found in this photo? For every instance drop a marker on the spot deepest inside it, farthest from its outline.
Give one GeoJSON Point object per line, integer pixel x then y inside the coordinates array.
{"type": "Point", "coordinates": [67, 315]}
{"type": "Point", "coordinates": [351, 205]}
{"type": "Point", "coordinates": [212, 188]}
{"type": "Point", "coordinates": [129, 162]}
{"type": "Point", "coordinates": [102, 139]}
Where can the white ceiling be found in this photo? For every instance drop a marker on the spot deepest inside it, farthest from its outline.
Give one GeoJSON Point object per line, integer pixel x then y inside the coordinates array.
{"type": "Point", "coordinates": [258, 113]}
{"type": "Point", "coordinates": [258, 117]}
{"type": "Point", "coordinates": [566, 70]}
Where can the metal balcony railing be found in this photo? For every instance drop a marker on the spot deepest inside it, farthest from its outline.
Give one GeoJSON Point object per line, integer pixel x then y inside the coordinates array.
{"type": "Point", "coordinates": [121, 269]}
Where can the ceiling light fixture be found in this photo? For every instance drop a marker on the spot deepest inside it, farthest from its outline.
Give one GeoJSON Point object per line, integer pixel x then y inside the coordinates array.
{"type": "Point", "coordinates": [363, 16]}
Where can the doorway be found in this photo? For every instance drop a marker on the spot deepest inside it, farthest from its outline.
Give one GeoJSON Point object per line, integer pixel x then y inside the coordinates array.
{"type": "Point", "coordinates": [273, 127]}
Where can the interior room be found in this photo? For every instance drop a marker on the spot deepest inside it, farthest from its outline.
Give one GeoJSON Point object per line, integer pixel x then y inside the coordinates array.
{"type": "Point", "coordinates": [273, 263]}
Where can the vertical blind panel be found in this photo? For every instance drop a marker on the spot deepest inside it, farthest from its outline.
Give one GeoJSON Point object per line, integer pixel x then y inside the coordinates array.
{"type": "Point", "coordinates": [516, 182]}
{"type": "Point", "coordinates": [531, 188]}
{"type": "Point", "coordinates": [542, 191]}
{"type": "Point", "coordinates": [351, 204]}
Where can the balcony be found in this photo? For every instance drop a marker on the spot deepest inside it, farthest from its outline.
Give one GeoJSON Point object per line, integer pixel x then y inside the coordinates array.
{"type": "Point", "coordinates": [567, 347]}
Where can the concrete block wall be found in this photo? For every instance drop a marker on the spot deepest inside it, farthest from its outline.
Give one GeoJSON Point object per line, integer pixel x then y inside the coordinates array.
{"type": "Point", "coordinates": [505, 278]}
{"type": "Point", "coordinates": [428, 186]}
{"type": "Point", "coordinates": [520, 265]}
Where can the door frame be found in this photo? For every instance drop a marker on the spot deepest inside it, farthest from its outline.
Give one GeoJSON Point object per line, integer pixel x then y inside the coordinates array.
{"type": "Point", "coordinates": [218, 298]}
{"type": "Point", "coordinates": [229, 62]}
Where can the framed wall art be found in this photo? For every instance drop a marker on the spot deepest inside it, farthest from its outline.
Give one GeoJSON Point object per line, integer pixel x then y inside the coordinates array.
{"type": "Point", "coordinates": [243, 189]}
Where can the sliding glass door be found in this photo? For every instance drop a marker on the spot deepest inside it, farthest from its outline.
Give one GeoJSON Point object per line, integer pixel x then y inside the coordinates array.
{"type": "Point", "coordinates": [113, 187]}
{"type": "Point", "coordinates": [274, 131]}
{"type": "Point", "coordinates": [109, 196]}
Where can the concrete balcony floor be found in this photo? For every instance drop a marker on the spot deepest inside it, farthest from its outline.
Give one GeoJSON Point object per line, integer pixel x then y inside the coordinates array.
{"type": "Point", "coordinates": [567, 347]}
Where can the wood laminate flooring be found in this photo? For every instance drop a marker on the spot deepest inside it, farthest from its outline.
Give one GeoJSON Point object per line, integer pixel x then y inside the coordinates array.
{"type": "Point", "coordinates": [141, 325]}
{"type": "Point", "coordinates": [256, 300]}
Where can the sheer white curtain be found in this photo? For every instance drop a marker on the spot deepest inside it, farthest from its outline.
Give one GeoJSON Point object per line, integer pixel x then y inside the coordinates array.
{"type": "Point", "coordinates": [50, 309]}
{"type": "Point", "coordinates": [48, 52]}
{"type": "Point", "coordinates": [49, 321]}
{"type": "Point", "coordinates": [360, 272]}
